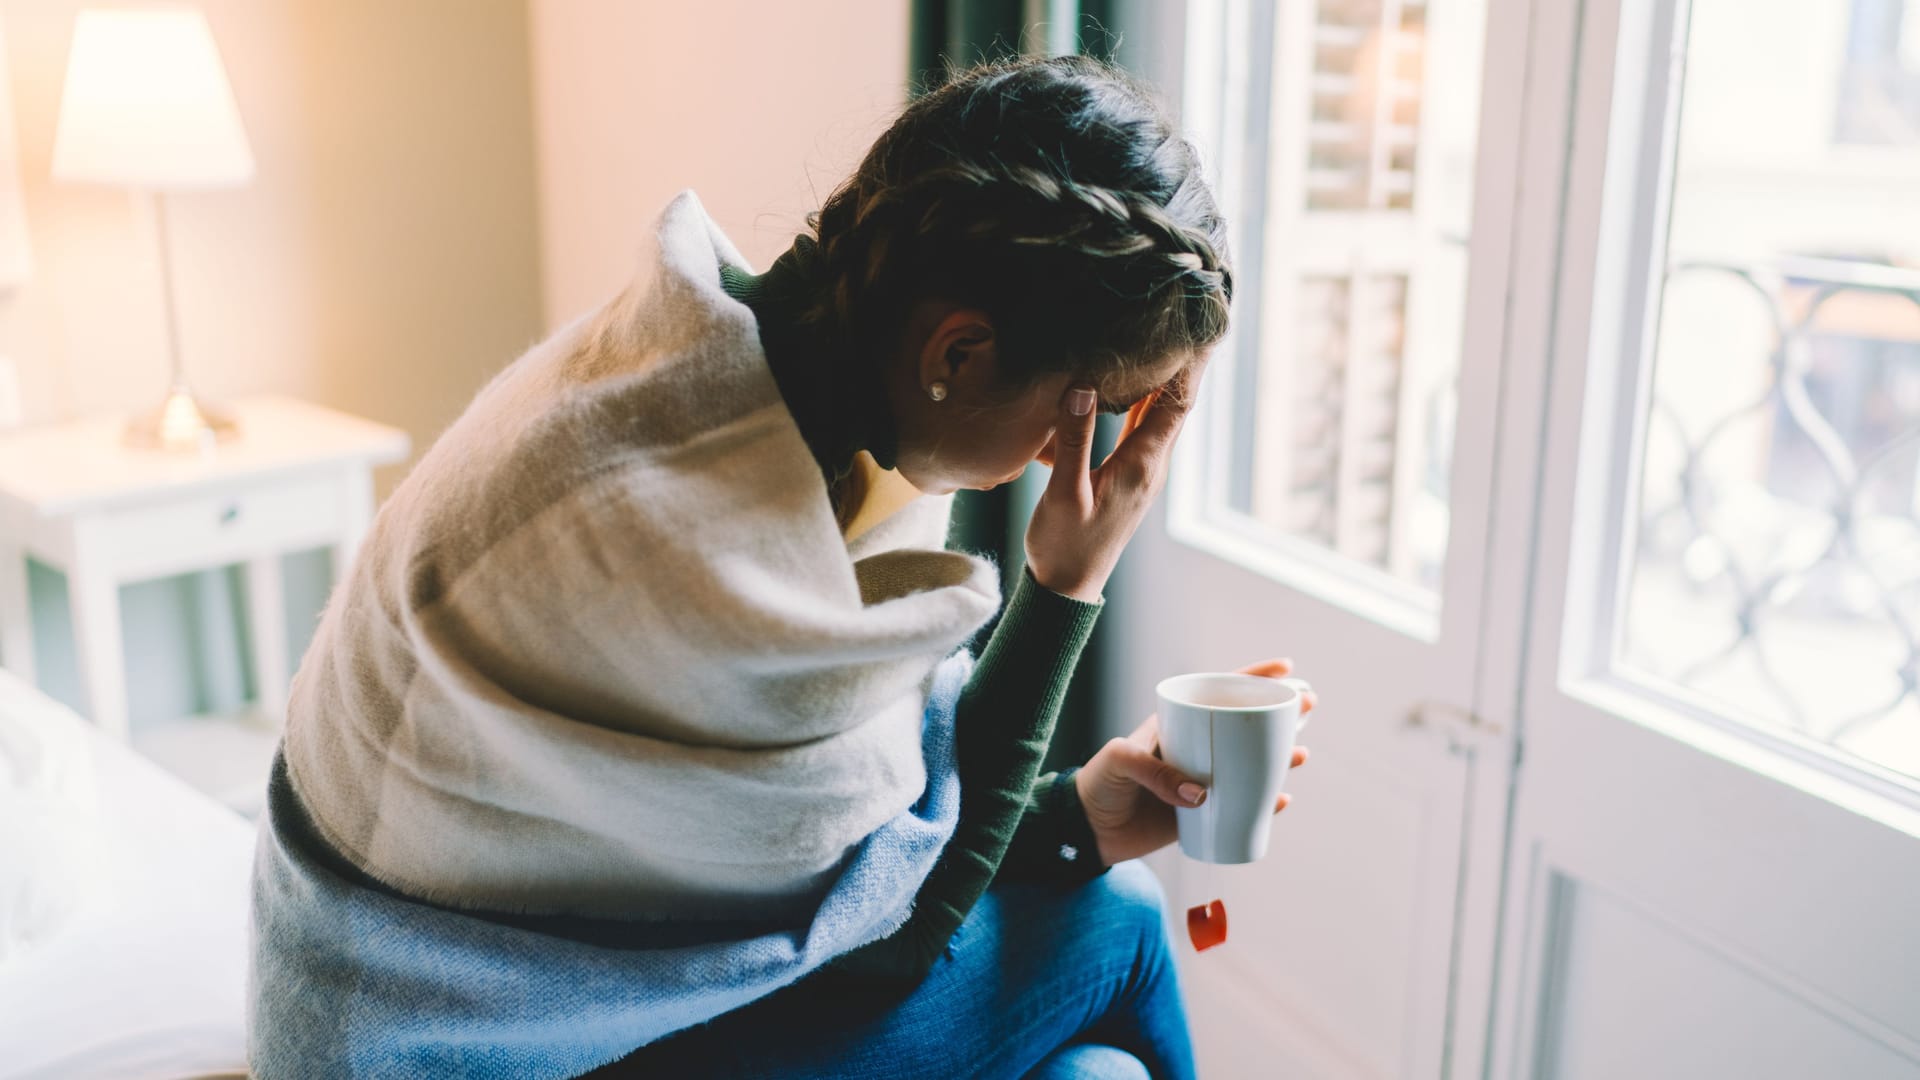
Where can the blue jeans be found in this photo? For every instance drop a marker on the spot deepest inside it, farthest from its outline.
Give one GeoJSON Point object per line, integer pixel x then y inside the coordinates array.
{"type": "Point", "coordinates": [1040, 981]}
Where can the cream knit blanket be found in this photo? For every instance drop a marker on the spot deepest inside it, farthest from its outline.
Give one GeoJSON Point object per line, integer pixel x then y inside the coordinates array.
{"type": "Point", "coordinates": [606, 651]}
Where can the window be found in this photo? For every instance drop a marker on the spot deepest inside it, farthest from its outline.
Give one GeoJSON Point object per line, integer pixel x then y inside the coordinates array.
{"type": "Point", "coordinates": [1775, 575]}
{"type": "Point", "coordinates": [1345, 152]}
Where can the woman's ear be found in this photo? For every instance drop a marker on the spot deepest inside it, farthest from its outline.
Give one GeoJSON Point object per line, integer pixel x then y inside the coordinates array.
{"type": "Point", "coordinates": [959, 355]}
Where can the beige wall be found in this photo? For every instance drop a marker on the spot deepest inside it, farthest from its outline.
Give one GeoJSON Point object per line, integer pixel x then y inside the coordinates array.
{"type": "Point", "coordinates": [382, 261]}
{"type": "Point", "coordinates": [759, 106]}
{"type": "Point", "coordinates": [388, 255]}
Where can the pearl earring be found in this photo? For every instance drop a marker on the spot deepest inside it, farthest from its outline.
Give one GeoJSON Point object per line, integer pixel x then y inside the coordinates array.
{"type": "Point", "coordinates": [937, 391]}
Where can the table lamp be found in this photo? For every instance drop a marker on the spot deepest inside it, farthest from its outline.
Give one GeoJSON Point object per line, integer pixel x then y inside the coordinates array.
{"type": "Point", "coordinates": [147, 106]}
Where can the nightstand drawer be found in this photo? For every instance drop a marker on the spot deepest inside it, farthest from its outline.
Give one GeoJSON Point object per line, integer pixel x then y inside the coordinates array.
{"type": "Point", "coordinates": [209, 530]}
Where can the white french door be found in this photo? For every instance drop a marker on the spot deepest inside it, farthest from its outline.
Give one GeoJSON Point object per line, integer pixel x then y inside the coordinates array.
{"type": "Point", "coordinates": [1715, 865]}
{"type": "Point", "coordinates": [1569, 441]}
{"type": "Point", "coordinates": [1331, 504]}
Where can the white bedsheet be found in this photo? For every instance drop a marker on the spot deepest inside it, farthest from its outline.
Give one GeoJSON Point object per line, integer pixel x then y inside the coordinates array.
{"type": "Point", "coordinates": [149, 979]}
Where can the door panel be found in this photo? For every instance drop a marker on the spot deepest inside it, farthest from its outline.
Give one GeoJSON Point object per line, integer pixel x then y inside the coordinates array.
{"type": "Point", "coordinates": [1330, 505]}
{"type": "Point", "coordinates": [1341, 936]}
{"type": "Point", "coordinates": [1634, 995]}
{"type": "Point", "coordinates": [1779, 879]}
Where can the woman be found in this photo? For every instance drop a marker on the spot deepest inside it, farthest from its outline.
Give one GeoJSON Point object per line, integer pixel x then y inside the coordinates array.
{"type": "Point", "coordinates": [642, 701]}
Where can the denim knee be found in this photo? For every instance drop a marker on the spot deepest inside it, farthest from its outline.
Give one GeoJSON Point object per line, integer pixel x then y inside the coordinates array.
{"type": "Point", "coordinates": [1133, 888]}
{"type": "Point", "coordinates": [1129, 903]}
{"type": "Point", "coordinates": [1090, 1061]}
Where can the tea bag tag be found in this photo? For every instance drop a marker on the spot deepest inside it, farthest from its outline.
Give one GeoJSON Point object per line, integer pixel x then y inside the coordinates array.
{"type": "Point", "coordinates": [1207, 925]}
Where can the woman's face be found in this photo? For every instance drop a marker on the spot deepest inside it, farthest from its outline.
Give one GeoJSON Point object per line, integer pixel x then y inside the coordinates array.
{"type": "Point", "coordinates": [986, 430]}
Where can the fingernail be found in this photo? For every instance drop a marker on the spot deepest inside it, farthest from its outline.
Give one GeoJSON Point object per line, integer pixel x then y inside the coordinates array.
{"type": "Point", "coordinates": [1079, 401]}
{"type": "Point", "coordinates": [1194, 794]}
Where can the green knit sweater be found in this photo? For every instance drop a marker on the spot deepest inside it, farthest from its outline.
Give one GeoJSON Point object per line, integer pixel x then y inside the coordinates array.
{"type": "Point", "coordinates": [1014, 822]}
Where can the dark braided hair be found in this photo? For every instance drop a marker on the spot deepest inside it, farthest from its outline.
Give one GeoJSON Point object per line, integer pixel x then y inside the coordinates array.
{"type": "Point", "coordinates": [1053, 194]}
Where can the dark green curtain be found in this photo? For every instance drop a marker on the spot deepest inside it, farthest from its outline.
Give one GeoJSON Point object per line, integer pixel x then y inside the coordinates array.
{"type": "Point", "coordinates": [961, 32]}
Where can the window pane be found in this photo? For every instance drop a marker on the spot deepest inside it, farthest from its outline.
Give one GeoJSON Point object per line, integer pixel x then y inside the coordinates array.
{"type": "Point", "coordinates": [1776, 572]}
{"type": "Point", "coordinates": [1361, 213]}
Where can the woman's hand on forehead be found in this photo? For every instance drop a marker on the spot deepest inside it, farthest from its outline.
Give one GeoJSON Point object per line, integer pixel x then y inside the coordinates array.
{"type": "Point", "coordinates": [1086, 515]}
{"type": "Point", "coordinates": [1170, 402]}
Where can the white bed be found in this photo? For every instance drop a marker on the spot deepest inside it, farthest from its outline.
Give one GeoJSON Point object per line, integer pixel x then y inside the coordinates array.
{"type": "Point", "coordinates": [148, 977]}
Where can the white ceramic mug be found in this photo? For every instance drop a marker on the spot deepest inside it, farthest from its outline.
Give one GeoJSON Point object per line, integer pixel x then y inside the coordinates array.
{"type": "Point", "coordinates": [1234, 733]}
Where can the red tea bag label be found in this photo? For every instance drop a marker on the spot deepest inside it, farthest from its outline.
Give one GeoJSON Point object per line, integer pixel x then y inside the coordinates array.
{"type": "Point", "coordinates": [1207, 925]}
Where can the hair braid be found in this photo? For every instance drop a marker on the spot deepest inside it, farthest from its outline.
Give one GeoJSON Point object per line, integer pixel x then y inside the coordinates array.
{"type": "Point", "coordinates": [971, 195]}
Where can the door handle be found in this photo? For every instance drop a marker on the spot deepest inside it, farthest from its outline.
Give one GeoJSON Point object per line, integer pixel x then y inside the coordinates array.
{"type": "Point", "coordinates": [1461, 730]}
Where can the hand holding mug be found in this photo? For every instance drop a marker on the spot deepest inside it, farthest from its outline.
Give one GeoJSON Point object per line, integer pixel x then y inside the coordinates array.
{"type": "Point", "coordinates": [1129, 791]}
{"type": "Point", "coordinates": [1237, 732]}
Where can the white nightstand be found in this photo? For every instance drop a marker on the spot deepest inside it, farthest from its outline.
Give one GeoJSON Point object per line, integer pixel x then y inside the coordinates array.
{"type": "Point", "coordinates": [72, 496]}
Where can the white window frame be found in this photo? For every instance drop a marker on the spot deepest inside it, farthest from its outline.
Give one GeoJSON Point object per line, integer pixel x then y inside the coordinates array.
{"type": "Point", "coordinates": [1197, 511]}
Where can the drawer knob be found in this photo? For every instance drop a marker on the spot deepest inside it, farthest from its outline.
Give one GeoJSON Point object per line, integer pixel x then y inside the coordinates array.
{"type": "Point", "coordinates": [230, 514]}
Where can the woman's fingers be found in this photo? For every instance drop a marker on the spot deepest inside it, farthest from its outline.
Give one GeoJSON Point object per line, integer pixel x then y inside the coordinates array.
{"type": "Point", "coordinates": [1140, 762]}
{"type": "Point", "coordinates": [1135, 415]}
{"type": "Point", "coordinates": [1161, 415]}
{"type": "Point", "coordinates": [1279, 668]}
{"type": "Point", "coordinates": [1073, 447]}
{"type": "Point", "coordinates": [1086, 516]}
{"type": "Point", "coordinates": [1300, 756]}
{"type": "Point", "coordinates": [1167, 783]}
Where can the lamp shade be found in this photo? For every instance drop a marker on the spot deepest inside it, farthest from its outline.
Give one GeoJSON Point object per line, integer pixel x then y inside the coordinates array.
{"type": "Point", "coordinates": [147, 104]}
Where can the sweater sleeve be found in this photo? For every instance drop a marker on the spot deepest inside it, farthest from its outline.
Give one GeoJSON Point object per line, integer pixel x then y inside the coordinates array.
{"type": "Point", "coordinates": [1054, 842]}
{"type": "Point", "coordinates": [1003, 723]}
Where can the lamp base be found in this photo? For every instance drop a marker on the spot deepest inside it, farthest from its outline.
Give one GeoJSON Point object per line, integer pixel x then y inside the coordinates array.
{"type": "Point", "coordinates": [181, 423]}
